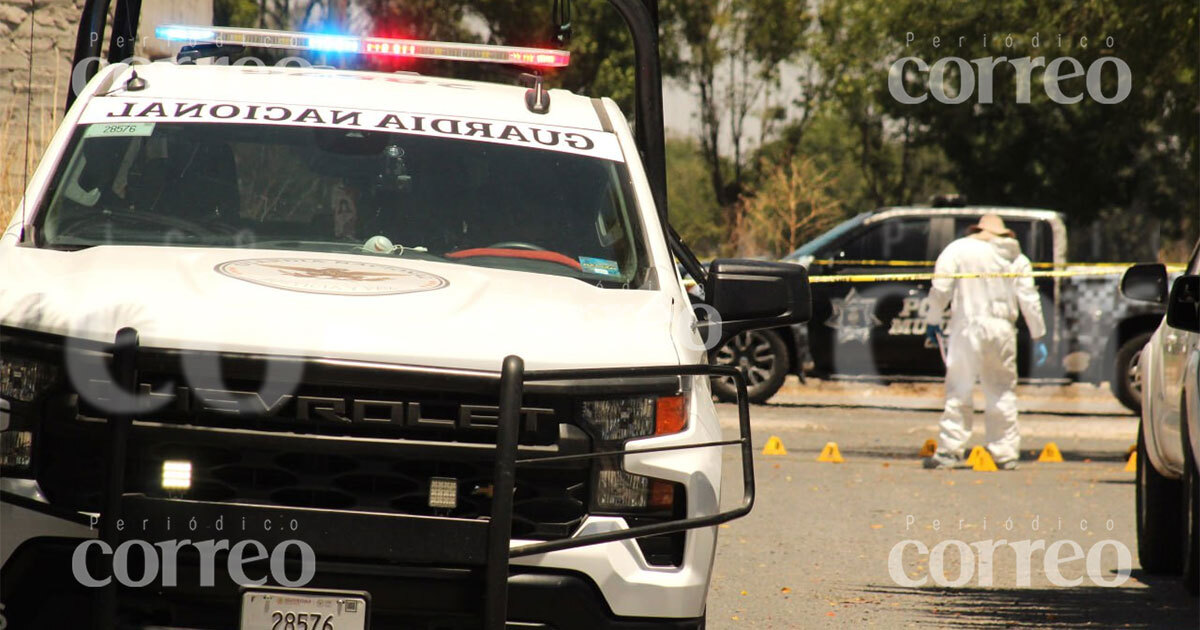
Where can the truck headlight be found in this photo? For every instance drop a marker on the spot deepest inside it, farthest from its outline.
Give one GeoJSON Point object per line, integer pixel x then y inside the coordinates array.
{"type": "Point", "coordinates": [23, 379]}
{"type": "Point", "coordinates": [614, 421]}
{"type": "Point", "coordinates": [16, 450]}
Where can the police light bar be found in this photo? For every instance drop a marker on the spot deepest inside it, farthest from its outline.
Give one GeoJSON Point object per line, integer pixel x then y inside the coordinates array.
{"type": "Point", "coordinates": [375, 46]}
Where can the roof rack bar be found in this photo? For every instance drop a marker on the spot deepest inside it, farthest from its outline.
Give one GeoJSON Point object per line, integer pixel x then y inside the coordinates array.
{"type": "Point", "coordinates": [125, 27]}
{"type": "Point", "coordinates": [641, 18]}
{"type": "Point", "coordinates": [88, 41]}
{"type": "Point", "coordinates": [124, 367]}
{"type": "Point", "coordinates": [495, 609]}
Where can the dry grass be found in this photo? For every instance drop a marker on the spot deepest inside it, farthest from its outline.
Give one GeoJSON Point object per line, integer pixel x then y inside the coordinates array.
{"type": "Point", "coordinates": [16, 158]}
{"type": "Point", "coordinates": [794, 203]}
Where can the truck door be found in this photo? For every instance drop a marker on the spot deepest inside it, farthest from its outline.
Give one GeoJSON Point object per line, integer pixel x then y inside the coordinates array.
{"type": "Point", "coordinates": [1036, 242]}
{"type": "Point", "coordinates": [1174, 345]}
{"type": "Point", "coordinates": [874, 328]}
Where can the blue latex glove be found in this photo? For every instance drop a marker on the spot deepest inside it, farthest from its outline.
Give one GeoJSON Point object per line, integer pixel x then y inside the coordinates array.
{"type": "Point", "coordinates": [1040, 354]}
{"type": "Point", "coordinates": [932, 332]}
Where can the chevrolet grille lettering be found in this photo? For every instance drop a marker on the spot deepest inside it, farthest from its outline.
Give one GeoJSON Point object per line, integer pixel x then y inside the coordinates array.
{"type": "Point", "coordinates": [487, 416]}
{"type": "Point", "coordinates": [328, 408]}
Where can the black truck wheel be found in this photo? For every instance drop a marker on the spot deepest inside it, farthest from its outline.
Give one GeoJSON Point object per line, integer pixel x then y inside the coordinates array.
{"type": "Point", "coordinates": [1159, 516]}
{"type": "Point", "coordinates": [762, 357]}
{"type": "Point", "coordinates": [1126, 381]}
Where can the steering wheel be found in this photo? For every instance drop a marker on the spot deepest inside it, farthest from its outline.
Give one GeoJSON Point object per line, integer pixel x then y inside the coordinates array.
{"type": "Point", "coordinates": [194, 228]}
{"type": "Point", "coordinates": [518, 249]}
{"type": "Point", "coordinates": [517, 245]}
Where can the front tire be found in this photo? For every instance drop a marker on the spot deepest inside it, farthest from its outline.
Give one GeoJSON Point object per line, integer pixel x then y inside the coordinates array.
{"type": "Point", "coordinates": [1126, 381]}
{"type": "Point", "coordinates": [1159, 517]}
{"type": "Point", "coordinates": [761, 356]}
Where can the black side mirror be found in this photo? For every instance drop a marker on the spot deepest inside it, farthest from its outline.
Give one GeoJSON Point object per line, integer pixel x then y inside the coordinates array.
{"type": "Point", "coordinates": [749, 294]}
{"type": "Point", "coordinates": [1183, 307]}
{"type": "Point", "coordinates": [1146, 282]}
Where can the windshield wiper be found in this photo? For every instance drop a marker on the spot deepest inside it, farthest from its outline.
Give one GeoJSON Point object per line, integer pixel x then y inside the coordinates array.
{"type": "Point", "coordinates": [72, 247]}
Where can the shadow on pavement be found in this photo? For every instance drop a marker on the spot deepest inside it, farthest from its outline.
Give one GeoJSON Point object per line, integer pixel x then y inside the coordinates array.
{"type": "Point", "coordinates": [1163, 604]}
{"type": "Point", "coordinates": [933, 406]}
{"type": "Point", "coordinates": [1027, 462]}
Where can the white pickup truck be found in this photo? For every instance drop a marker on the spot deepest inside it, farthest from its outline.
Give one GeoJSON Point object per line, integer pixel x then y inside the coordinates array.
{"type": "Point", "coordinates": [389, 331]}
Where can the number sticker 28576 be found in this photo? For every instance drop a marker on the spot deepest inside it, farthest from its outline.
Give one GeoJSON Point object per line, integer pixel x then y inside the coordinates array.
{"type": "Point", "coordinates": [118, 130]}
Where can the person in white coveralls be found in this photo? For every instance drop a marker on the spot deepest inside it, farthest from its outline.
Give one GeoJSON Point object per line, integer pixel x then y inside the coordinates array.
{"type": "Point", "coordinates": [982, 338]}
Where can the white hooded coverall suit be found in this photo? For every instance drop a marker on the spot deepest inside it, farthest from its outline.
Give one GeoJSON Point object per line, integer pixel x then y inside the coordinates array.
{"type": "Point", "coordinates": [983, 338]}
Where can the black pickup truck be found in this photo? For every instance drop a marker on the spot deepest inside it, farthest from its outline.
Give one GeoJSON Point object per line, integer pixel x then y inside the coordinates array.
{"type": "Point", "coordinates": [875, 330]}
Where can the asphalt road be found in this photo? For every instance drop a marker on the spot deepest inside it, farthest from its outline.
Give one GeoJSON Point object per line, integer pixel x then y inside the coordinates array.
{"type": "Point", "coordinates": [815, 551]}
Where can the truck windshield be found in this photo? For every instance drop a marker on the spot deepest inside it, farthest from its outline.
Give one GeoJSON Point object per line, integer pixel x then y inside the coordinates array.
{"type": "Point", "coordinates": [535, 208]}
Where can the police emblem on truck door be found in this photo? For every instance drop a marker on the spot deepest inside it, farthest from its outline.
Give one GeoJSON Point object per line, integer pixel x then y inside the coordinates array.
{"type": "Point", "coordinates": [853, 317]}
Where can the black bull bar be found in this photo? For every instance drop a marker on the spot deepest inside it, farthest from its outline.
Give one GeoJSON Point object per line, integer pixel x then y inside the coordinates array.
{"type": "Point", "coordinates": [483, 543]}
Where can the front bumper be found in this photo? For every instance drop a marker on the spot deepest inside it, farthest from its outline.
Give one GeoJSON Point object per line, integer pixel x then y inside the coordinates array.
{"type": "Point", "coordinates": [40, 592]}
{"type": "Point", "coordinates": [398, 558]}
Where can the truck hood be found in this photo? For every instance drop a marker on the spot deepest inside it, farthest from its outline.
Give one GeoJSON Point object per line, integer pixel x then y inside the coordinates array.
{"type": "Point", "coordinates": [365, 308]}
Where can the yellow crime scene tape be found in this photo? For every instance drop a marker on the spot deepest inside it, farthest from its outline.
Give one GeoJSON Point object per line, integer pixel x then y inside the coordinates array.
{"type": "Point", "coordinates": [910, 277]}
{"type": "Point", "coordinates": [930, 263]}
{"type": "Point", "coordinates": [1077, 270]}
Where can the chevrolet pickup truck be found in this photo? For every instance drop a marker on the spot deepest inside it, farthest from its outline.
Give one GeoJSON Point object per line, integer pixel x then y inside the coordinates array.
{"type": "Point", "coordinates": [335, 348]}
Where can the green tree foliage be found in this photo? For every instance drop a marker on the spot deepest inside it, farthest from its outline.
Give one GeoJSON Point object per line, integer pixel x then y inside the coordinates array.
{"type": "Point", "coordinates": [1089, 159]}
{"type": "Point", "coordinates": [865, 165]}
{"type": "Point", "coordinates": [1139, 154]}
{"type": "Point", "coordinates": [695, 213]}
{"type": "Point", "coordinates": [875, 155]}
{"type": "Point", "coordinates": [602, 62]}
{"type": "Point", "coordinates": [730, 51]}
{"type": "Point", "coordinates": [242, 13]}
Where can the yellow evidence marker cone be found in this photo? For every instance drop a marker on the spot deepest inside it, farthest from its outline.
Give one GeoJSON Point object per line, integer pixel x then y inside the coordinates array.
{"type": "Point", "coordinates": [928, 448]}
{"type": "Point", "coordinates": [774, 447]}
{"type": "Point", "coordinates": [973, 458]}
{"type": "Point", "coordinates": [1050, 453]}
{"type": "Point", "coordinates": [984, 463]}
{"type": "Point", "coordinates": [1131, 465]}
{"type": "Point", "coordinates": [830, 454]}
